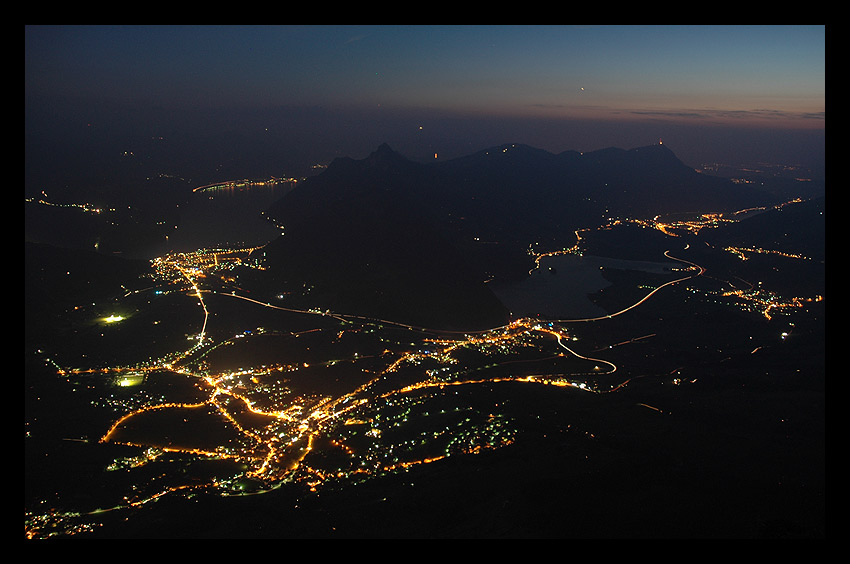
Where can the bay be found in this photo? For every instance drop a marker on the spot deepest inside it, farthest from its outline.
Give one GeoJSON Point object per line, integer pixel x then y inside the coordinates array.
{"type": "Point", "coordinates": [561, 287]}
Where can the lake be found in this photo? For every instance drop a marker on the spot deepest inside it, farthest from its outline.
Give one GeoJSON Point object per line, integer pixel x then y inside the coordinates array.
{"type": "Point", "coordinates": [226, 218]}
{"type": "Point", "coordinates": [561, 286]}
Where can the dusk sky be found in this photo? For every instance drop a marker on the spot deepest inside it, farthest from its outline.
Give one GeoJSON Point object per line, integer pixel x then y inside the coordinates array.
{"type": "Point", "coordinates": [291, 281]}
{"type": "Point", "coordinates": [708, 91]}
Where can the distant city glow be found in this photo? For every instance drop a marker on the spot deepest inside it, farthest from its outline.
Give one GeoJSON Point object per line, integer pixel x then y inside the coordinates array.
{"type": "Point", "coordinates": [312, 362]}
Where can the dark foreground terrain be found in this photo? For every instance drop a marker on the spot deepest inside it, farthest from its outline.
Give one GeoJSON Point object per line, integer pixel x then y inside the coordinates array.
{"type": "Point", "coordinates": [711, 426]}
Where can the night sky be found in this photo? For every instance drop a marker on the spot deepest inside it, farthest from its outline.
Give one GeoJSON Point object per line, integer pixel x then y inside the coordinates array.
{"type": "Point", "coordinates": [134, 119]}
{"type": "Point", "coordinates": [712, 93]}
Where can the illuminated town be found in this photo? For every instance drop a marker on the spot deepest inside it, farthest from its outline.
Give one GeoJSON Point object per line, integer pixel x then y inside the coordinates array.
{"type": "Point", "coordinates": [316, 398]}
{"type": "Point", "coordinates": [246, 184]}
{"type": "Point", "coordinates": [424, 282]}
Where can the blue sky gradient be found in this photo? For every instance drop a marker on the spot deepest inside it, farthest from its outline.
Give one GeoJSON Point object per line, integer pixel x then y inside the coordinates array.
{"type": "Point", "coordinates": [665, 78]}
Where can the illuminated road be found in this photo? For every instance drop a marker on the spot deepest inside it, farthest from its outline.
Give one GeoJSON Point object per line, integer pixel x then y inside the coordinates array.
{"type": "Point", "coordinates": [276, 460]}
{"type": "Point", "coordinates": [699, 271]}
{"type": "Point", "coordinates": [279, 444]}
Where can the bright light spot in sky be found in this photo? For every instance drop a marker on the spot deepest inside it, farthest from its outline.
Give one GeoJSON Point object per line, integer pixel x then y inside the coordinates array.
{"type": "Point", "coordinates": [113, 318]}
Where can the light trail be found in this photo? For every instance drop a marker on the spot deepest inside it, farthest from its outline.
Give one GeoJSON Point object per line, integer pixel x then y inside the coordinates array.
{"type": "Point", "coordinates": [667, 254]}
{"type": "Point", "coordinates": [201, 300]}
{"type": "Point", "coordinates": [334, 408]}
{"type": "Point", "coordinates": [560, 343]}
{"type": "Point", "coordinates": [274, 458]}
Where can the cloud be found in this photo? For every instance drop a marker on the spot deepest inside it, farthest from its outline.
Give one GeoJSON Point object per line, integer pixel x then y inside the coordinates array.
{"type": "Point", "coordinates": [733, 116]}
{"type": "Point", "coordinates": [694, 116]}
{"type": "Point", "coordinates": [356, 38]}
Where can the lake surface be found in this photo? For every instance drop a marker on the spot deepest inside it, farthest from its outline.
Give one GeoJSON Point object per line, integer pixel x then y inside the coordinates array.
{"type": "Point", "coordinates": [562, 285]}
{"type": "Point", "coordinates": [226, 218]}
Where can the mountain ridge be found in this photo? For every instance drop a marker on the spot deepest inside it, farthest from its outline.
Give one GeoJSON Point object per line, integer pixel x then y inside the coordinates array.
{"type": "Point", "coordinates": [410, 233]}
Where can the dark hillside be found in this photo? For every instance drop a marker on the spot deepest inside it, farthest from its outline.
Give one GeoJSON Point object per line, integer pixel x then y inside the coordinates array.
{"type": "Point", "coordinates": [389, 237]}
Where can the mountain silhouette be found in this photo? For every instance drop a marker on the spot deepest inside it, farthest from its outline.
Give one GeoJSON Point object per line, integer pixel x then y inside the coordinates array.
{"type": "Point", "coordinates": [393, 238]}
